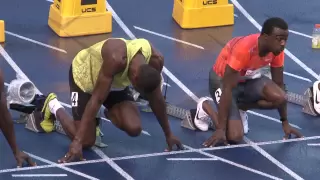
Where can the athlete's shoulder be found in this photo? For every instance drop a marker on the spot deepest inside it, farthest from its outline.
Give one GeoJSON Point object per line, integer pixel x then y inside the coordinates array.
{"type": "Point", "coordinates": [248, 43]}
{"type": "Point", "coordinates": [243, 43]}
{"type": "Point", "coordinates": [139, 41]}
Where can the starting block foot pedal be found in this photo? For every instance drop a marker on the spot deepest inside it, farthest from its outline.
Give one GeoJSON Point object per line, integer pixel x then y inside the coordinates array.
{"type": "Point", "coordinates": [308, 107]}
{"type": "Point", "coordinates": [97, 143]}
{"type": "Point", "coordinates": [22, 119]}
{"type": "Point", "coordinates": [176, 111]}
{"type": "Point", "coordinates": [32, 123]}
{"type": "Point", "coordinates": [305, 100]}
{"type": "Point", "coordinates": [59, 128]}
{"type": "Point", "coordinates": [24, 108]}
{"type": "Point", "coordinates": [172, 110]}
{"type": "Point", "coordinates": [187, 122]}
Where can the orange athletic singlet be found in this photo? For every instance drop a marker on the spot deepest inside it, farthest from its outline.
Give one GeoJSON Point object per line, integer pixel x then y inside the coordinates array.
{"type": "Point", "coordinates": [242, 54]}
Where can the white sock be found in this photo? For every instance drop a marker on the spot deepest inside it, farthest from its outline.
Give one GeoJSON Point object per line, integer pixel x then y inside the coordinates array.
{"type": "Point", "coordinates": [54, 106]}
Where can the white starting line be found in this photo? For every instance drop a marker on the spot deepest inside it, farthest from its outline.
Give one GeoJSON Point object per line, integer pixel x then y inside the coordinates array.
{"type": "Point", "coordinates": [39, 175]}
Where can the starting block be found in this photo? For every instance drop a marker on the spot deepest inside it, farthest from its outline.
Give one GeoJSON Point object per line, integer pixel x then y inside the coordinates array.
{"type": "Point", "coordinates": [305, 100]}
{"type": "Point", "coordinates": [203, 13]}
{"type": "Point", "coordinates": [21, 97]}
{"type": "Point", "coordinates": [172, 110]}
{"type": "Point", "coordinates": [183, 114]}
{"type": "Point", "coordinates": [79, 17]}
{"type": "Point", "coordinates": [99, 134]}
{"type": "Point", "coordinates": [32, 125]}
{"type": "Point", "coordinates": [2, 32]}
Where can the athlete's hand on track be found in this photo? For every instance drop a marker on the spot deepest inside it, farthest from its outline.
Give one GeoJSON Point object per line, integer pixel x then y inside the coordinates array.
{"type": "Point", "coordinates": [171, 141]}
{"type": "Point", "coordinates": [289, 130]}
{"type": "Point", "coordinates": [74, 154]}
{"type": "Point", "coordinates": [219, 136]}
{"type": "Point", "coordinates": [22, 157]}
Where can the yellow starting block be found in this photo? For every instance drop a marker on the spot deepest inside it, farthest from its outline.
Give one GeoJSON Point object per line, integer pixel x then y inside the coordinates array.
{"type": "Point", "coordinates": [2, 34]}
{"type": "Point", "coordinates": [79, 17]}
{"type": "Point", "coordinates": [203, 13]}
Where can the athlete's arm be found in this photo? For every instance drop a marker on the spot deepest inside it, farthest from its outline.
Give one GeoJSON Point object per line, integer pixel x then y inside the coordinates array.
{"type": "Point", "coordinates": [156, 59]}
{"type": "Point", "coordinates": [238, 60]}
{"type": "Point", "coordinates": [212, 114]}
{"type": "Point", "coordinates": [6, 123]}
{"type": "Point", "coordinates": [156, 100]}
{"type": "Point", "coordinates": [111, 65]}
{"type": "Point", "coordinates": [7, 128]}
{"type": "Point", "coordinates": [158, 106]}
{"type": "Point", "coordinates": [276, 68]}
{"type": "Point", "coordinates": [229, 81]}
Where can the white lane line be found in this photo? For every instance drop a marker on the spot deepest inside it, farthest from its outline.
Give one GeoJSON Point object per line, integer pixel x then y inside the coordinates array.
{"type": "Point", "coordinates": [191, 159]}
{"type": "Point", "coordinates": [301, 34]}
{"type": "Point", "coordinates": [314, 144]}
{"type": "Point", "coordinates": [61, 167]}
{"type": "Point", "coordinates": [112, 163]}
{"type": "Point", "coordinates": [297, 76]}
{"type": "Point", "coordinates": [35, 42]}
{"type": "Point", "coordinates": [271, 118]}
{"type": "Point", "coordinates": [168, 37]}
{"type": "Point", "coordinates": [235, 164]}
{"type": "Point", "coordinates": [39, 175]}
{"type": "Point", "coordinates": [272, 159]}
{"type": "Point", "coordinates": [162, 154]}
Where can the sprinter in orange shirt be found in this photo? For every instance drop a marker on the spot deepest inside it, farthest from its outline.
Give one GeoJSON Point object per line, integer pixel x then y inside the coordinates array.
{"type": "Point", "coordinates": [236, 82]}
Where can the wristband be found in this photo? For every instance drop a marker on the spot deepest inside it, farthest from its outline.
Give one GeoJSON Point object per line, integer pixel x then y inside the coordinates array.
{"type": "Point", "coordinates": [283, 119]}
{"type": "Point", "coordinates": [285, 88]}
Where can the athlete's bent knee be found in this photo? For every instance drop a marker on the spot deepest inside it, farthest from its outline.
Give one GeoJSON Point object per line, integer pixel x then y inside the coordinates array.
{"type": "Point", "coordinates": [88, 143]}
{"type": "Point", "coordinates": [235, 133]}
{"type": "Point", "coordinates": [235, 138]}
{"type": "Point", "coordinates": [280, 99]}
{"type": "Point", "coordinates": [134, 130]}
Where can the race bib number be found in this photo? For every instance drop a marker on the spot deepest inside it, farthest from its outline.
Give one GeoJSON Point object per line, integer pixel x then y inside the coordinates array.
{"type": "Point", "coordinates": [253, 74]}
{"type": "Point", "coordinates": [74, 99]}
{"type": "Point", "coordinates": [217, 95]}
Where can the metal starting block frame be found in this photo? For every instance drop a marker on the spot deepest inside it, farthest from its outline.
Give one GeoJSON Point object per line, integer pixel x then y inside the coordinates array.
{"type": "Point", "coordinates": [97, 143]}
{"type": "Point", "coordinates": [187, 122]}
{"type": "Point", "coordinates": [304, 100]}
{"type": "Point", "coordinates": [177, 112]}
{"type": "Point", "coordinates": [28, 116]}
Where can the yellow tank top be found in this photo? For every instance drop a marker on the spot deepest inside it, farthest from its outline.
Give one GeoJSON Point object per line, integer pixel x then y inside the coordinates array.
{"type": "Point", "coordinates": [87, 64]}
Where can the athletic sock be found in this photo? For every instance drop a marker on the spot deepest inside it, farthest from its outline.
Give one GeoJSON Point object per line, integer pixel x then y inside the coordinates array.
{"type": "Point", "coordinates": [54, 106]}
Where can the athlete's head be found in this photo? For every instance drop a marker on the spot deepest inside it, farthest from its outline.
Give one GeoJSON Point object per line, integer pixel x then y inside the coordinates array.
{"type": "Point", "coordinates": [275, 34]}
{"type": "Point", "coordinates": [147, 79]}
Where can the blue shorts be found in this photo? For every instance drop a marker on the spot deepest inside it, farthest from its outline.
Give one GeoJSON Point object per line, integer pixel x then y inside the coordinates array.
{"type": "Point", "coordinates": [249, 91]}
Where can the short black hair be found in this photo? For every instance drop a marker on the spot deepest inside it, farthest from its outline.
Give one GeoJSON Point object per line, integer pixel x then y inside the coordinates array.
{"type": "Point", "coordinates": [274, 22]}
{"type": "Point", "coordinates": [148, 78]}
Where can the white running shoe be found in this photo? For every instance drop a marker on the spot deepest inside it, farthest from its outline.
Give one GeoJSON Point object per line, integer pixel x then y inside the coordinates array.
{"type": "Point", "coordinates": [244, 118]}
{"type": "Point", "coordinates": [201, 119]}
{"type": "Point", "coordinates": [316, 96]}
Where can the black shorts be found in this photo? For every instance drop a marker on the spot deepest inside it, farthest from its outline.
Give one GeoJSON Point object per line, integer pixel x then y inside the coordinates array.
{"type": "Point", "coordinates": [79, 99]}
{"type": "Point", "coordinates": [249, 91]}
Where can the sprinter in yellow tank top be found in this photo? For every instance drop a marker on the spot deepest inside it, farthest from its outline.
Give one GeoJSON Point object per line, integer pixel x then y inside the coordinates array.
{"type": "Point", "coordinates": [99, 75]}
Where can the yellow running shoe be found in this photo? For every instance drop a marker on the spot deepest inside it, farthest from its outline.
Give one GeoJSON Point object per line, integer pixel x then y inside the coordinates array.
{"type": "Point", "coordinates": [47, 123]}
